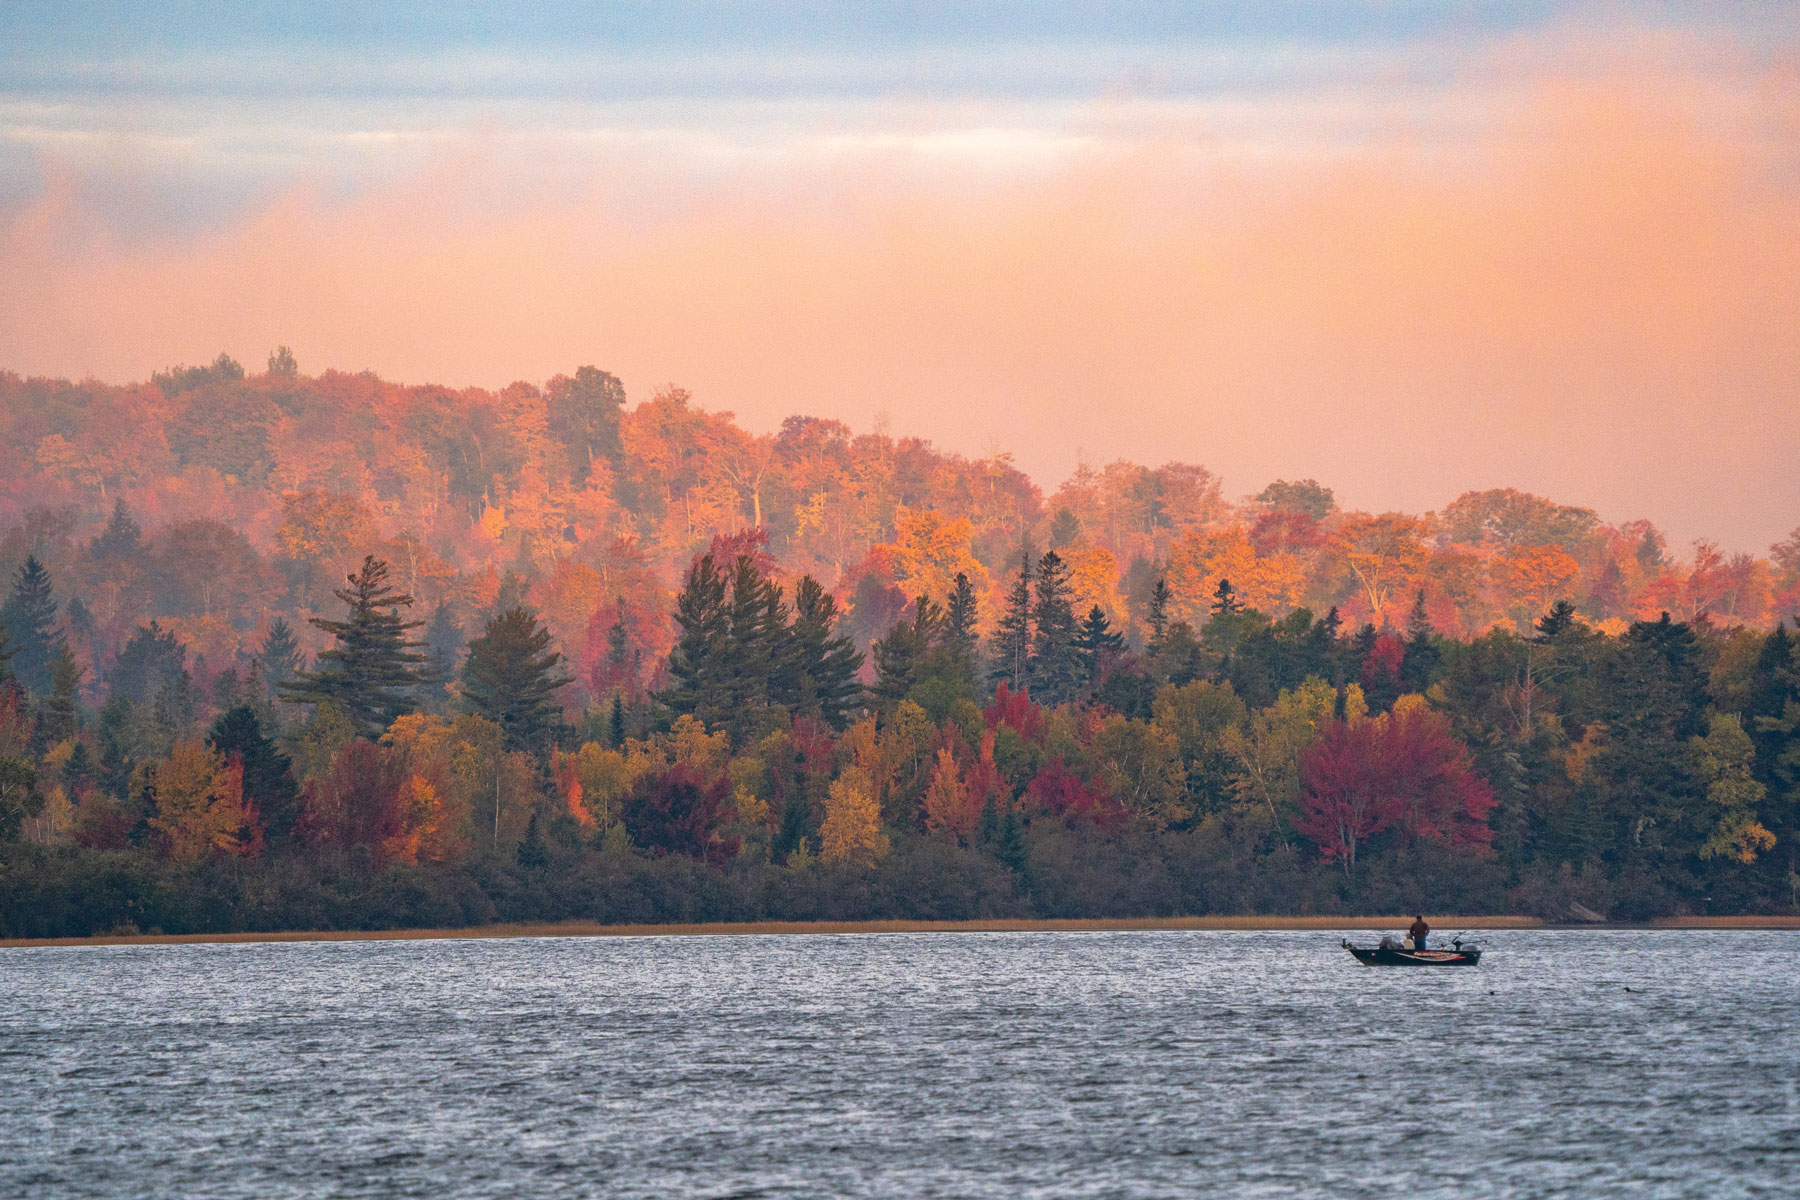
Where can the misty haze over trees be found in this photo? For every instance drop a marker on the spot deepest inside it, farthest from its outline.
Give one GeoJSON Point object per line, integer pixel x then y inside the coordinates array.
{"type": "Point", "coordinates": [285, 651]}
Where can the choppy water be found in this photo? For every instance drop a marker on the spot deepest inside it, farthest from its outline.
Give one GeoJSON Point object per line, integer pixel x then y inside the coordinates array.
{"type": "Point", "coordinates": [1067, 1064]}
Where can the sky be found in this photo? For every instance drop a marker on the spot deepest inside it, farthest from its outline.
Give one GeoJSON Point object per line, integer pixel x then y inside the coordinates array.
{"type": "Point", "coordinates": [1406, 249]}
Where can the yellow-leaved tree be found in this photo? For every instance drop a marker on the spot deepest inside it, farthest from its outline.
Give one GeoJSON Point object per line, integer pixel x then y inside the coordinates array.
{"type": "Point", "coordinates": [198, 805]}
{"type": "Point", "coordinates": [852, 829]}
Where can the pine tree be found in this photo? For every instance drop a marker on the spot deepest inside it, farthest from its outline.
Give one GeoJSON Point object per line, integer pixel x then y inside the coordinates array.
{"type": "Point", "coordinates": [373, 672]}
{"type": "Point", "coordinates": [239, 737]}
{"type": "Point", "coordinates": [511, 678]}
{"type": "Point", "coordinates": [1096, 644]}
{"type": "Point", "coordinates": [1225, 601]}
{"type": "Point", "coordinates": [1560, 619]}
{"type": "Point", "coordinates": [698, 659]}
{"type": "Point", "coordinates": [827, 664]}
{"type": "Point", "coordinates": [1012, 640]}
{"type": "Point", "coordinates": [1055, 668]}
{"type": "Point", "coordinates": [29, 615]}
{"type": "Point", "coordinates": [900, 656]}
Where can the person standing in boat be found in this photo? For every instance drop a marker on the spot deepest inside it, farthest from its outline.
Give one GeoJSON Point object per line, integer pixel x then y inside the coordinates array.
{"type": "Point", "coordinates": [1418, 933]}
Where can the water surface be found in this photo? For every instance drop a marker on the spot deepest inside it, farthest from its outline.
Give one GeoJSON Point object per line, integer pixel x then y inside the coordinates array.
{"type": "Point", "coordinates": [1053, 1064]}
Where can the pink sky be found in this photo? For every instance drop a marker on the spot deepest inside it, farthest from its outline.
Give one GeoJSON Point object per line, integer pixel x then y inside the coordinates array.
{"type": "Point", "coordinates": [1595, 296]}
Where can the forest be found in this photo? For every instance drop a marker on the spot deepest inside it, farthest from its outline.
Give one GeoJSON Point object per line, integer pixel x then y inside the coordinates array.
{"type": "Point", "coordinates": [284, 651]}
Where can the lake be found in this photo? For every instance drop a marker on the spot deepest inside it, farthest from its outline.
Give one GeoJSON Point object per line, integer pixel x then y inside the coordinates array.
{"type": "Point", "coordinates": [1016, 1064]}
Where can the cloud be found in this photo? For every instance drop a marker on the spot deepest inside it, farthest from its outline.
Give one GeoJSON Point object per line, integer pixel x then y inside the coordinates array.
{"type": "Point", "coordinates": [1593, 294]}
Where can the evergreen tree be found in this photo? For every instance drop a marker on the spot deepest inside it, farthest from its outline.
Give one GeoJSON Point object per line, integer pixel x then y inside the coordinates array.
{"type": "Point", "coordinates": [58, 719]}
{"type": "Point", "coordinates": [29, 616]}
{"type": "Point", "coordinates": [373, 672]}
{"type": "Point", "coordinates": [279, 658]}
{"type": "Point", "coordinates": [1225, 601]}
{"type": "Point", "coordinates": [1160, 596]}
{"type": "Point", "coordinates": [1422, 652]}
{"type": "Point", "coordinates": [900, 656]}
{"type": "Point", "coordinates": [616, 723]}
{"type": "Point", "coordinates": [1096, 644]}
{"type": "Point", "coordinates": [1009, 846]}
{"type": "Point", "coordinates": [1055, 668]}
{"type": "Point", "coordinates": [698, 660]}
{"type": "Point", "coordinates": [1012, 640]}
{"type": "Point", "coordinates": [961, 612]}
{"type": "Point", "coordinates": [239, 736]}
{"type": "Point", "coordinates": [443, 642]}
{"type": "Point", "coordinates": [826, 664]}
{"type": "Point", "coordinates": [121, 539]}
{"type": "Point", "coordinates": [511, 678]}
{"type": "Point", "coordinates": [151, 664]}
{"type": "Point", "coordinates": [1560, 619]}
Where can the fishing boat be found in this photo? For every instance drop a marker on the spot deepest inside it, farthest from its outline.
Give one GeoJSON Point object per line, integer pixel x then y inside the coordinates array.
{"type": "Point", "coordinates": [1390, 953]}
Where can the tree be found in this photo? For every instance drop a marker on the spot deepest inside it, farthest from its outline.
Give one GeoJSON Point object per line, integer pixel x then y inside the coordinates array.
{"type": "Point", "coordinates": [1160, 597]}
{"type": "Point", "coordinates": [283, 364]}
{"type": "Point", "coordinates": [1722, 759]}
{"type": "Point", "coordinates": [1012, 640]}
{"type": "Point", "coordinates": [1361, 777]}
{"type": "Point", "coordinates": [59, 719]}
{"type": "Point", "coordinates": [1055, 667]}
{"type": "Point", "coordinates": [1096, 644]}
{"type": "Point", "coordinates": [1225, 601]}
{"type": "Point", "coordinates": [900, 656]}
{"type": "Point", "coordinates": [279, 658]}
{"type": "Point", "coordinates": [825, 664]}
{"type": "Point", "coordinates": [372, 673]}
{"type": "Point", "coordinates": [197, 805]}
{"type": "Point", "coordinates": [678, 812]}
{"type": "Point", "coordinates": [961, 613]}
{"type": "Point", "coordinates": [852, 829]}
{"type": "Point", "coordinates": [698, 661]}
{"type": "Point", "coordinates": [1421, 656]}
{"type": "Point", "coordinates": [584, 416]}
{"type": "Point", "coordinates": [266, 773]}
{"type": "Point", "coordinates": [29, 616]}
{"type": "Point", "coordinates": [511, 677]}
{"type": "Point", "coordinates": [947, 801]}
{"type": "Point", "coordinates": [19, 795]}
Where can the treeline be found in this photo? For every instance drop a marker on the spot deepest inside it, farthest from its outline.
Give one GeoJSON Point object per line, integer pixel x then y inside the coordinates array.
{"type": "Point", "coordinates": [1031, 760]}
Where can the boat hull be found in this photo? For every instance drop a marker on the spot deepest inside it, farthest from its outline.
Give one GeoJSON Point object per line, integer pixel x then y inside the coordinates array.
{"type": "Point", "coordinates": [1380, 956]}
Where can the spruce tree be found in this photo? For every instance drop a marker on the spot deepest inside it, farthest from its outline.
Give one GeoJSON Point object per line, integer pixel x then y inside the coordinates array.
{"type": "Point", "coordinates": [1012, 639]}
{"type": "Point", "coordinates": [900, 655]}
{"type": "Point", "coordinates": [697, 661]}
{"type": "Point", "coordinates": [374, 671]}
{"type": "Point", "coordinates": [960, 615]}
{"type": "Point", "coordinates": [1160, 596]}
{"type": "Point", "coordinates": [511, 677]}
{"type": "Point", "coordinates": [240, 737]}
{"type": "Point", "coordinates": [1422, 654]}
{"type": "Point", "coordinates": [58, 717]}
{"type": "Point", "coordinates": [1055, 668]}
{"type": "Point", "coordinates": [827, 664]}
{"type": "Point", "coordinates": [279, 658]}
{"type": "Point", "coordinates": [121, 539]}
{"type": "Point", "coordinates": [29, 615]}
{"type": "Point", "coordinates": [443, 642]}
{"type": "Point", "coordinates": [1096, 644]}
{"type": "Point", "coordinates": [616, 723]}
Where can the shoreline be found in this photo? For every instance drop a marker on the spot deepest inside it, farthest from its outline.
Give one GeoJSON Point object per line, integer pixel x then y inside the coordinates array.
{"type": "Point", "coordinates": [768, 928]}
